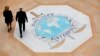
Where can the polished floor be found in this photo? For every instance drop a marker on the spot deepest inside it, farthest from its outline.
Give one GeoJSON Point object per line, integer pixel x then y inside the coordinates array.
{"type": "Point", "coordinates": [9, 46]}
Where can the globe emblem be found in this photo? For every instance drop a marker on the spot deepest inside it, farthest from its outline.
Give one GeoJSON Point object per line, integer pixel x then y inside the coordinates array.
{"type": "Point", "coordinates": [52, 26]}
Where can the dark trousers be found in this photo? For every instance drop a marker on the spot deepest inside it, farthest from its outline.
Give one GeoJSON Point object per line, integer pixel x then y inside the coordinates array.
{"type": "Point", "coordinates": [8, 25]}
{"type": "Point", "coordinates": [20, 27]}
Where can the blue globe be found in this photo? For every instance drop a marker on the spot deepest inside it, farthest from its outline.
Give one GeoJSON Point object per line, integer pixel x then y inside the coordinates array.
{"type": "Point", "coordinates": [52, 26]}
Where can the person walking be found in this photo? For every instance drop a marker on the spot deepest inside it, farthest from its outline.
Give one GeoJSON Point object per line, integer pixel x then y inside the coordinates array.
{"type": "Point", "coordinates": [8, 17]}
{"type": "Point", "coordinates": [21, 17]}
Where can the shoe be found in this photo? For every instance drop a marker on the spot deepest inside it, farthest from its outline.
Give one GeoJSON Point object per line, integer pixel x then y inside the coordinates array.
{"type": "Point", "coordinates": [21, 36]}
{"type": "Point", "coordinates": [24, 30]}
{"type": "Point", "coordinates": [8, 30]}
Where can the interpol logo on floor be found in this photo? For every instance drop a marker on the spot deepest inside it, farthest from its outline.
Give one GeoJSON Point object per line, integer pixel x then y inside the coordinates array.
{"type": "Point", "coordinates": [55, 28]}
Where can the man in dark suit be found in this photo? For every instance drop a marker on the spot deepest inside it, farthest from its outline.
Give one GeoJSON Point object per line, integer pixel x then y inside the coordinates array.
{"type": "Point", "coordinates": [8, 17]}
{"type": "Point", "coordinates": [21, 17]}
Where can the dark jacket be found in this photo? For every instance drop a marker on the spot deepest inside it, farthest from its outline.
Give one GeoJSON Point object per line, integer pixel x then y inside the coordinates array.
{"type": "Point", "coordinates": [8, 16]}
{"type": "Point", "coordinates": [21, 17]}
